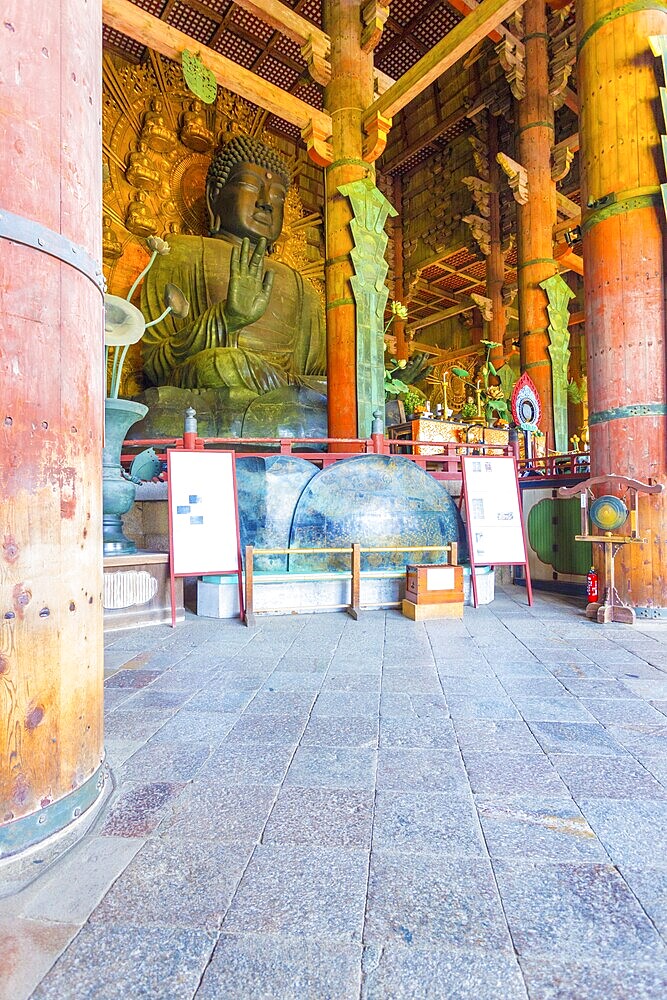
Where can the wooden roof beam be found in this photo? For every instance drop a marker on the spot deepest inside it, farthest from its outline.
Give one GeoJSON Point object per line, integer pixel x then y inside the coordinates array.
{"type": "Point", "coordinates": [130, 20]}
{"type": "Point", "coordinates": [466, 7]}
{"type": "Point", "coordinates": [440, 316]}
{"type": "Point", "coordinates": [456, 44]}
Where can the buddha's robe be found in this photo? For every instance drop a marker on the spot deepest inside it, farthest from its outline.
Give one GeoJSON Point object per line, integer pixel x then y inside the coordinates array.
{"type": "Point", "coordinates": [286, 344]}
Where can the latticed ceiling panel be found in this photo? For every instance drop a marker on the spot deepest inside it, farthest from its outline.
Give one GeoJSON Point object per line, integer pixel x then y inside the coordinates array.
{"type": "Point", "coordinates": [238, 49]}
{"type": "Point", "coordinates": [248, 22]}
{"type": "Point", "coordinates": [192, 22]}
{"type": "Point", "coordinates": [134, 51]}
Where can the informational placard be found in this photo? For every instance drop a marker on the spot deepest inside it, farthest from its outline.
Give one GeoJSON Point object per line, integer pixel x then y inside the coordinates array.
{"type": "Point", "coordinates": [496, 532]}
{"type": "Point", "coordinates": [203, 514]}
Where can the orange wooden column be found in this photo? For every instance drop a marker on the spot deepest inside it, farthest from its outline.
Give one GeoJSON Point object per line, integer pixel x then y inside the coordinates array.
{"type": "Point", "coordinates": [52, 399]}
{"type": "Point", "coordinates": [346, 97]}
{"type": "Point", "coordinates": [624, 263]}
{"type": "Point", "coordinates": [495, 262]}
{"type": "Point", "coordinates": [535, 135]}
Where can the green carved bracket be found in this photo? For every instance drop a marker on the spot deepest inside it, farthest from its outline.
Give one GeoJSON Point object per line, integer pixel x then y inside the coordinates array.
{"type": "Point", "coordinates": [370, 209]}
{"type": "Point", "coordinates": [658, 45]}
{"type": "Point", "coordinates": [559, 294]}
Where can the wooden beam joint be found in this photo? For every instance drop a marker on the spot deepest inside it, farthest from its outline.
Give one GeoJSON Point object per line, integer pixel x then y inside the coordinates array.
{"type": "Point", "coordinates": [377, 130]}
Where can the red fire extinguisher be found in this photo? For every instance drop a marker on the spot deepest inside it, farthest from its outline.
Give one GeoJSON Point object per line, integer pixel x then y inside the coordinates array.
{"type": "Point", "coordinates": [592, 585]}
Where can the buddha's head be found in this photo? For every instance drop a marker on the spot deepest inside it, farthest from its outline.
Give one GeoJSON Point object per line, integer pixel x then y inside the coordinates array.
{"type": "Point", "coordinates": [246, 187]}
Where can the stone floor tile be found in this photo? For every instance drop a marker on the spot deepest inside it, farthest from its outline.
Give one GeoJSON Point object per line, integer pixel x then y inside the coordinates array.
{"type": "Point", "coordinates": [149, 698]}
{"type": "Point", "coordinates": [197, 727]}
{"type": "Point", "coordinates": [474, 687]}
{"type": "Point", "coordinates": [495, 735]}
{"type": "Point", "coordinates": [596, 687]}
{"type": "Point", "coordinates": [576, 738]}
{"type": "Point", "coordinates": [394, 703]}
{"type": "Point", "coordinates": [157, 761]}
{"type": "Point", "coordinates": [621, 712]}
{"type": "Point", "coordinates": [658, 768]}
{"type": "Point", "coordinates": [438, 972]}
{"type": "Point", "coordinates": [125, 724]}
{"type": "Point", "coordinates": [411, 680]}
{"type": "Point", "coordinates": [427, 900]}
{"type": "Point", "coordinates": [133, 679]}
{"type": "Point", "coordinates": [335, 731]}
{"type": "Point", "coordinates": [221, 701]}
{"type": "Point", "coordinates": [177, 883]}
{"type": "Point", "coordinates": [321, 817]}
{"type": "Point", "coordinates": [113, 697]}
{"type": "Point", "coordinates": [640, 739]}
{"type": "Point", "coordinates": [650, 887]}
{"type": "Point", "coordinates": [533, 687]}
{"type": "Point", "coordinates": [406, 731]}
{"type": "Point", "coordinates": [70, 890]}
{"type": "Point", "coordinates": [607, 777]}
{"type": "Point", "coordinates": [246, 765]}
{"type": "Point", "coordinates": [439, 823]}
{"type": "Point", "coordinates": [652, 690]}
{"type": "Point", "coordinates": [115, 963]}
{"type": "Point", "coordinates": [512, 774]}
{"type": "Point", "coordinates": [308, 891]}
{"type": "Point", "coordinates": [475, 669]}
{"type": "Point", "coordinates": [602, 980]}
{"type": "Point", "coordinates": [209, 811]}
{"type": "Point", "coordinates": [273, 967]}
{"type": "Point", "coordinates": [469, 707]}
{"type": "Point", "coordinates": [29, 949]}
{"type": "Point", "coordinates": [345, 704]}
{"type": "Point", "coordinates": [566, 709]}
{"type": "Point", "coordinates": [139, 808]}
{"type": "Point", "coordinates": [574, 911]}
{"type": "Point", "coordinates": [289, 680]}
{"type": "Point", "coordinates": [281, 703]}
{"type": "Point", "coordinates": [266, 730]}
{"type": "Point", "coordinates": [357, 681]}
{"type": "Point", "coordinates": [634, 831]}
{"type": "Point", "coordinates": [579, 671]}
{"type": "Point", "coordinates": [538, 827]}
{"type": "Point", "coordinates": [317, 767]}
{"type": "Point", "coordinates": [418, 769]}
{"type": "Point", "coordinates": [515, 669]}
{"type": "Point", "coordinates": [118, 751]}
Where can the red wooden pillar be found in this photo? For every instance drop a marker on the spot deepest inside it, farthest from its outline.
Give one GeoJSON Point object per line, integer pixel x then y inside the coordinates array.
{"type": "Point", "coordinates": [51, 418]}
{"type": "Point", "coordinates": [624, 263]}
{"type": "Point", "coordinates": [535, 136]}
{"type": "Point", "coordinates": [346, 97]}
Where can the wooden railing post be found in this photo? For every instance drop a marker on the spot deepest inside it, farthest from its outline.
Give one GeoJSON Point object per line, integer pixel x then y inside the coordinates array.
{"type": "Point", "coordinates": [354, 609]}
{"type": "Point", "coordinates": [249, 589]}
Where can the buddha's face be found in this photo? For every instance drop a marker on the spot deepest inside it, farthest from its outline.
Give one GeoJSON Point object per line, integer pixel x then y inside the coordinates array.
{"type": "Point", "coordinates": [251, 203]}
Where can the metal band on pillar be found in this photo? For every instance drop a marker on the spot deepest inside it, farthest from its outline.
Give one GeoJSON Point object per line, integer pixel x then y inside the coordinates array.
{"type": "Point", "coordinates": [33, 234]}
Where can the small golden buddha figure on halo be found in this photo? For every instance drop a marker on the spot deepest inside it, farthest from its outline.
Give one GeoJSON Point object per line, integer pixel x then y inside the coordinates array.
{"type": "Point", "coordinates": [195, 133]}
{"type": "Point", "coordinates": [155, 131]}
{"type": "Point", "coordinates": [139, 219]}
{"type": "Point", "coordinates": [112, 248]}
{"type": "Point", "coordinates": [140, 173]}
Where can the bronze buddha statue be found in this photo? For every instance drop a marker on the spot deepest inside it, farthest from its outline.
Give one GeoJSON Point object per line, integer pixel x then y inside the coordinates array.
{"type": "Point", "coordinates": [250, 327]}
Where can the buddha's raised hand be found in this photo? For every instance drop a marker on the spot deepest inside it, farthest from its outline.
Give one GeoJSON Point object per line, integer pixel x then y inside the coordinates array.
{"type": "Point", "coordinates": [249, 291]}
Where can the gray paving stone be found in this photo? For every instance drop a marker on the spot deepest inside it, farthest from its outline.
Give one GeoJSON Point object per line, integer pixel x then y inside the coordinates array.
{"type": "Point", "coordinates": [512, 774]}
{"type": "Point", "coordinates": [652, 690]}
{"type": "Point", "coordinates": [576, 738]}
{"type": "Point", "coordinates": [135, 724]}
{"type": "Point", "coordinates": [607, 777]}
{"type": "Point", "coordinates": [528, 667]}
{"type": "Point", "coordinates": [469, 707]}
{"type": "Point", "coordinates": [290, 680]}
{"type": "Point", "coordinates": [474, 669]}
{"type": "Point", "coordinates": [603, 980]}
{"type": "Point", "coordinates": [118, 751]}
{"type": "Point", "coordinates": [316, 767]}
{"type": "Point", "coordinates": [209, 811]}
{"type": "Point", "coordinates": [113, 697]}
{"type": "Point", "coordinates": [631, 711]}
{"type": "Point", "coordinates": [157, 761]}
{"type": "Point", "coordinates": [346, 704]}
{"type": "Point", "coordinates": [138, 809]}
{"type": "Point", "coordinates": [321, 817]}
{"type": "Point", "coordinates": [566, 709]}
{"type": "Point", "coordinates": [417, 769]}
{"type": "Point", "coordinates": [221, 701]}
{"type": "Point", "coordinates": [267, 730]}
{"type": "Point", "coordinates": [407, 731]}
{"type": "Point", "coordinates": [272, 967]}
{"type": "Point", "coordinates": [362, 682]}
{"type": "Point", "coordinates": [175, 883]}
{"type": "Point", "coordinates": [574, 911]}
{"type": "Point", "coordinates": [641, 740]}
{"type": "Point", "coordinates": [412, 681]}
{"type": "Point", "coordinates": [307, 891]}
{"type": "Point", "coordinates": [395, 703]}
{"type": "Point", "coordinates": [632, 830]}
{"type": "Point", "coordinates": [197, 727]}
{"type": "Point", "coordinates": [474, 687]}
{"type": "Point", "coordinates": [599, 688]}
{"type": "Point", "coordinates": [581, 671]}
{"type": "Point", "coordinates": [495, 735]}
{"type": "Point", "coordinates": [658, 768]}
{"type": "Point", "coordinates": [406, 972]}
{"type": "Point", "coordinates": [241, 765]}
{"type": "Point", "coordinates": [442, 824]}
{"type": "Point", "coordinates": [114, 963]}
{"type": "Point", "coordinates": [133, 679]}
{"type": "Point", "coordinates": [427, 900]}
{"type": "Point", "coordinates": [336, 731]}
{"type": "Point", "coordinates": [650, 887]}
{"type": "Point", "coordinates": [534, 687]}
{"type": "Point", "coordinates": [29, 949]}
{"type": "Point", "coordinates": [552, 828]}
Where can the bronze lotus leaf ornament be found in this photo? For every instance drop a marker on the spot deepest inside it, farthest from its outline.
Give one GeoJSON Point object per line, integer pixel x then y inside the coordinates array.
{"type": "Point", "coordinates": [175, 300]}
{"type": "Point", "coordinates": [123, 322]}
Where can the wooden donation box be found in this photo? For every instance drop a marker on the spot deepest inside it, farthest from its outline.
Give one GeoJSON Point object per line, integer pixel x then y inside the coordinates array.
{"type": "Point", "coordinates": [433, 592]}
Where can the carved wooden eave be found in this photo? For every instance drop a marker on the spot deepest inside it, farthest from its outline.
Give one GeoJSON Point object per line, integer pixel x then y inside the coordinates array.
{"type": "Point", "coordinates": [377, 130]}
{"type": "Point", "coordinates": [128, 19]}
{"type": "Point", "coordinates": [561, 64]}
{"type": "Point", "coordinates": [373, 17]}
{"type": "Point", "coordinates": [481, 232]}
{"type": "Point", "coordinates": [511, 54]}
{"type": "Point", "coordinates": [517, 177]}
{"type": "Point", "coordinates": [484, 305]}
{"type": "Point", "coordinates": [561, 159]}
{"type": "Point", "coordinates": [480, 155]}
{"type": "Point", "coordinates": [481, 193]}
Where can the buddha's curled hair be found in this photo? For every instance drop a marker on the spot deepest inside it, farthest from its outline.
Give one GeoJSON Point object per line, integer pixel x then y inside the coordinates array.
{"type": "Point", "coordinates": [244, 149]}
